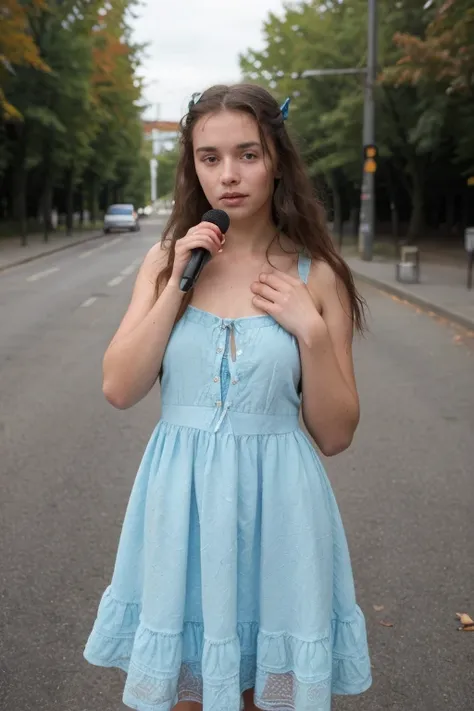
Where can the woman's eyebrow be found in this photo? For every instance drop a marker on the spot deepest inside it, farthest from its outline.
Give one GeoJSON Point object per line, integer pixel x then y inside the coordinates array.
{"type": "Point", "coordinates": [240, 146]}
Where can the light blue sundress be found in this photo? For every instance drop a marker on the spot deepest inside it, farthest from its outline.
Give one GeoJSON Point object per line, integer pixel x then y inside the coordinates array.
{"type": "Point", "coordinates": [233, 570]}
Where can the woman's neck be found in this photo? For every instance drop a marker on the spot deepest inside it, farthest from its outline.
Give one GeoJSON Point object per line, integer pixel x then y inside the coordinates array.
{"type": "Point", "coordinates": [252, 236]}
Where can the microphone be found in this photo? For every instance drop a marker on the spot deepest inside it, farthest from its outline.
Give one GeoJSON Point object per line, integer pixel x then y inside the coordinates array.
{"type": "Point", "coordinates": [200, 256]}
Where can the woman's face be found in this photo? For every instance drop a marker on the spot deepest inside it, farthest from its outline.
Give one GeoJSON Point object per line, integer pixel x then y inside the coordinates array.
{"type": "Point", "coordinates": [235, 173]}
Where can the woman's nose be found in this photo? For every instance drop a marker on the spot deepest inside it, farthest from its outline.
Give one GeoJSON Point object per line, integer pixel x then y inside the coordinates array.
{"type": "Point", "coordinates": [230, 173]}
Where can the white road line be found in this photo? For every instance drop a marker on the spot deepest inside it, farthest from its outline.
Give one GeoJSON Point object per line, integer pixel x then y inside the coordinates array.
{"type": "Point", "coordinates": [87, 254]}
{"type": "Point", "coordinates": [40, 275]}
{"type": "Point", "coordinates": [115, 281]}
{"type": "Point", "coordinates": [129, 270]}
{"type": "Point", "coordinates": [106, 245]}
{"type": "Point", "coordinates": [89, 301]}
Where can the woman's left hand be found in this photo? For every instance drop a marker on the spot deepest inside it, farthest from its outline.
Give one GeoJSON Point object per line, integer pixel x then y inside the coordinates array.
{"type": "Point", "coordinates": [288, 300]}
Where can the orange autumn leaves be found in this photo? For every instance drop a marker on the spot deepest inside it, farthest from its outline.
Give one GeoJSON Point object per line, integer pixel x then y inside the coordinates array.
{"type": "Point", "coordinates": [467, 623]}
{"type": "Point", "coordinates": [445, 54]}
{"type": "Point", "coordinates": [17, 45]}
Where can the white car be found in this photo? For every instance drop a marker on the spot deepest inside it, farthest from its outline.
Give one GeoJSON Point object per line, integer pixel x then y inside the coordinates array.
{"type": "Point", "coordinates": [121, 217]}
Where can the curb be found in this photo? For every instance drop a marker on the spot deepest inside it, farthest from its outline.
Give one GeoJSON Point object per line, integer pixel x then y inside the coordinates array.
{"type": "Point", "coordinates": [416, 300]}
{"type": "Point", "coordinates": [33, 257]}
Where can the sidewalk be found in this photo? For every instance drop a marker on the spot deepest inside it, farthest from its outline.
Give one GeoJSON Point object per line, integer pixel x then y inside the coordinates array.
{"type": "Point", "coordinates": [442, 288]}
{"type": "Point", "coordinates": [12, 253]}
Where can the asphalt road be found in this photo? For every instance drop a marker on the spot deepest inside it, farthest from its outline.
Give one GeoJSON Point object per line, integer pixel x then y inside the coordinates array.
{"type": "Point", "coordinates": [68, 460]}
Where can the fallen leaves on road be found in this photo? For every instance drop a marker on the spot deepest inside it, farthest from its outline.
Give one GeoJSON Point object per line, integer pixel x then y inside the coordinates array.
{"type": "Point", "coordinates": [464, 339]}
{"type": "Point", "coordinates": [467, 623]}
{"type": "Point", "coordinates": [384, 623]}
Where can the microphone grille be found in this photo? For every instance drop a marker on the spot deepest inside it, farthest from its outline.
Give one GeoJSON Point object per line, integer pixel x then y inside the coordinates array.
{"type": "Point", "coordinates": [219, 218]}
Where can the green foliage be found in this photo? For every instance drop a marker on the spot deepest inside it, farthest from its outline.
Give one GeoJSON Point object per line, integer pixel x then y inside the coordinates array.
{"type": "Point", "coordinates": [77, 125]}
{"type": "Point", "coordinates": [422, 105]}
{"type": "Point", "coordinates": [167, 162]}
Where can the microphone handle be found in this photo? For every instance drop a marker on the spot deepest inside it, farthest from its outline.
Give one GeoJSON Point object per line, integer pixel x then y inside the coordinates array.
{"type": "Point", "coordinates": [199, 258]}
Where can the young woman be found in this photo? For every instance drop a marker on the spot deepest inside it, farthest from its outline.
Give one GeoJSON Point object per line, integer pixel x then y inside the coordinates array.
{"type": "Point", "coordinates": [232, 585]}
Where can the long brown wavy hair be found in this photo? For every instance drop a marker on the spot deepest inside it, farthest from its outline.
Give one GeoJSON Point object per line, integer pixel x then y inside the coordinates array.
{"type": "Point", "coordinates": [296, 210]}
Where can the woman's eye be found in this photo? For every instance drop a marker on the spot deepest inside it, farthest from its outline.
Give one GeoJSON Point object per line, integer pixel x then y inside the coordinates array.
{"type": "Point", "coordinates": [249, 156]}
{"type": "Point", "coordinates": [210, 159]}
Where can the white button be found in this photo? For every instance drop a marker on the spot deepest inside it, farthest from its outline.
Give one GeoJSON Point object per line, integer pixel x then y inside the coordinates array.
{"type": "Point", "coordinates": [216, 379]}
{"type": "Point", "coordinates": [235, 381]}
{"type": "Point", "coordinates": [218, 403]}
{"type": "Point", "coordinates": [239, 353]}
{"type": "Point", "coordinates": [219, 350]}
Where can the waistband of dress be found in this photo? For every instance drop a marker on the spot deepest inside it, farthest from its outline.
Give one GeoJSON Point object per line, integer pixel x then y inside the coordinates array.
{"type": "Point", "coordinates": [227, 420]}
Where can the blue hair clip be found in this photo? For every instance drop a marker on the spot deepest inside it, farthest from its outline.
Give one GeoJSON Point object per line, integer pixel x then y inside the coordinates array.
{"type": "Point", "coordinates": [194, 99]}
{"type": "Point", "coordinates": [285, 108]}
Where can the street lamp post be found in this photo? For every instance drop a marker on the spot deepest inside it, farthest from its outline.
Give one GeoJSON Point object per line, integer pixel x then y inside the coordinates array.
{"type": "Point", "coordinates": [367, 210]}
{"type": "Point", "coordinates": [153, 180]}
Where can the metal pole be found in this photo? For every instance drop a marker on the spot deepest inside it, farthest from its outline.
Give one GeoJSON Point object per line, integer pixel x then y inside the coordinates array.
{"type": "Point", "coordinates": [153, 174]}
{"type": "Point", "coordinates": [367, 211]}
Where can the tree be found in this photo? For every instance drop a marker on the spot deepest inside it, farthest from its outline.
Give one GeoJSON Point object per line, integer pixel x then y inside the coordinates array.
{"type": "Point", "coordinates": [167, 163]}
{"type": "Point", "coordinates": [52, 135]}
{"type": "Point", "coordinates": [441, 62]}
{"type": "Point", "coordinates": [414, 123]}
{"type": "Point", "coordinates": [17, 45]}
{"type": "Point", "coordinates": [77, 130]}
{"type": "Point", "coordinates": [116, 93]}
{"type": "Point", "coordinates": [445, 54]}
{"type": "Point", "coordinates": [322, 36]}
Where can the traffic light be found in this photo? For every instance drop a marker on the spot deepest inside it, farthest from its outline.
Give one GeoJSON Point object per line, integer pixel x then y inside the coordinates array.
{"type": "Point", "coordinates": [370, 158]}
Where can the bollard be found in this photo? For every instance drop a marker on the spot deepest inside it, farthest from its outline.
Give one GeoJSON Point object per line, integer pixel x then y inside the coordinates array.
{"type": "Point", "coordinates": [469, 245]}
{"type": "Point", "coordinates": [407, 270]}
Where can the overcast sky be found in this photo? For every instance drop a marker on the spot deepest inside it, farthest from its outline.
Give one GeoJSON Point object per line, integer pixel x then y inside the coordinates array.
{"type": "Point", "coordinates": [194, 44]}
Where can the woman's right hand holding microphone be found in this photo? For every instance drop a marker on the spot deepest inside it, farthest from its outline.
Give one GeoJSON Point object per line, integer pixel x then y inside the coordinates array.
{"type": "Point", "coordinates": [206, 235]}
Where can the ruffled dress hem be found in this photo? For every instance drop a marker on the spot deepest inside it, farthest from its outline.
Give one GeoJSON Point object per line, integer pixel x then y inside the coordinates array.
{"type": "Point", "coordinates": [286, 672]}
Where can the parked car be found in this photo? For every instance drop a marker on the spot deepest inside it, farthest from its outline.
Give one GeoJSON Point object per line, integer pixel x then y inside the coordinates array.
{"type": "Point", "coordinates": [121, 217]}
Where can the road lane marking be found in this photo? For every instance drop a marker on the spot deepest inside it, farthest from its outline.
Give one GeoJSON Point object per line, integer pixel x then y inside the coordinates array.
{"type": "Point", "coordinates": [124, 273]}
{"type": "Point", "coordinates": [106, 245]}
{"type": "Point", "coordinates": [89, 301]}
{"type": "Point", "coordinates": [115, 281]}
{"type": "Point", "coordinates": [40, 275]}
{"type": "Point", "coordinates": [129, 270]}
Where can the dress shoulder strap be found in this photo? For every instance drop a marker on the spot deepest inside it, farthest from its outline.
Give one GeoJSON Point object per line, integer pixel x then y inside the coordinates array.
{"type": "Point", "coordinates": [304, 265]}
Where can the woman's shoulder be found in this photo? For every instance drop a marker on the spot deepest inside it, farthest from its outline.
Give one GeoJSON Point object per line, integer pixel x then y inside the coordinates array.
{"type": "Point", "coordinates": [322, 272]}
{"type": "Point", "coordinates": [323, 279]}
{"type": "Point", "coordinates": [328, 288]}
{"type": "Point", "coordinates": [156, 259]}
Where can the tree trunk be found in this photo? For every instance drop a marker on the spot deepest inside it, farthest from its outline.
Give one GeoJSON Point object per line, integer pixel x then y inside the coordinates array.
{"type": "Point", "coordinates": [338, 222]}
{"type": "Point", "coordinates": [19, 195]}
{"type": "Point", "coordinates": [417, 218]}
{"type": "Point", "coordinates": [47, 203]}
{"type": "Point", "coordinates": [81, 206]}
{"type": "Point", "coordinates": [394, 213]}
{"type": "Point", "coordinates": [450, 213]}
{"type": "Point", "coordinates": [354, 213]}
{"type": "Point", "coordinates": [107, 194]}
{"type": "Point", "coordinates": [69, 200]}
{"type": "Point", "coordinates": [93, 198]}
